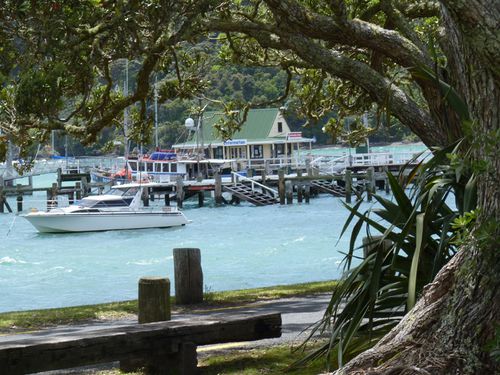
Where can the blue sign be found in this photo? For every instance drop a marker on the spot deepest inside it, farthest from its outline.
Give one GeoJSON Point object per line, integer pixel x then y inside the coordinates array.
{"type": "Point", "coordinates": [235, 142]}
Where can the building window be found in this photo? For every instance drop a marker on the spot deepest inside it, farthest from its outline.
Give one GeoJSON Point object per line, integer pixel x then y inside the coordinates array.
{"type": "Point", "coordinates": [280, 127]}
{"type": "Point", "coordinates": [218, 154]}
{"type": "Point", "coordinates": [279, 149]}
{"type": "Point", "coordinates": [257, 152]}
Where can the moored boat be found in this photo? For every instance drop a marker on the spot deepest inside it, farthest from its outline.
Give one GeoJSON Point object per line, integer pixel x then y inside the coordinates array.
{"type": "Point", "coordinates": [121, 208]}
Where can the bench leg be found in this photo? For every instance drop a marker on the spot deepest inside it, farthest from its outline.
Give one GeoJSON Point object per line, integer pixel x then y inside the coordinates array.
{"type": "Point", "coordinates": [183, 362]}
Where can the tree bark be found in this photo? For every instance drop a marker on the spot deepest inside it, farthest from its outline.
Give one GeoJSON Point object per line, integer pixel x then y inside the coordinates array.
{"type": "Point", "coordinates": [448, 330]}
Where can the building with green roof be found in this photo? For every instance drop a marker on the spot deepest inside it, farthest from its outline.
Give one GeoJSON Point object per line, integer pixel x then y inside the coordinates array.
{"type": "Point", "coordinates": [264, 135]}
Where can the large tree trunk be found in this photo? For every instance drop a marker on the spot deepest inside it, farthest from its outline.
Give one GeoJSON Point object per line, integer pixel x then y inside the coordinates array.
{"type": "Point", "coordinates": [448, 330]}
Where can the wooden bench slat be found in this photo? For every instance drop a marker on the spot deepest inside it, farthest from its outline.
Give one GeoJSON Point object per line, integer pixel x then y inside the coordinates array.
{"type": "Point", "coordinates": [64, 350]}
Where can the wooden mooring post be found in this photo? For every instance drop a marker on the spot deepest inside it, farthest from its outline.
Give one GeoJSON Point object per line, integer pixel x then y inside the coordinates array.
{"type": "Point", "coordinates": [218, 188]}
{"type": "Point", "coordinates": [289, 192]}
{"type": "Point", "coordinates": [201, 198]}
{"type": "Point", "coordinates": [179, 191]}
{"type": "Point", "coordinates": [281, 185]}
{"type": "Point", "coordinates": [154, 299]}
{"type": "Point", "coordinates": [188, 276]}
{"type": "Point", "coordinates": [19, 198]}
{"type": "Point", "coordinates": [299, 186]}
{"type": "Point", "coordinates": [307, 192]}
{"type": "Point", "coordinates": [348, 186]}
{"type": "Point", "coordinates": [370, 183]}
{"type": "Point", "coordinates": [154, 306]}
{"type": "Point", "coordinates": [52, 196]}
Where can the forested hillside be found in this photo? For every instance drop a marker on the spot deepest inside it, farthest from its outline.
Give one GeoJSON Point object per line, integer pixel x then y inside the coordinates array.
{"type": "Point", "coordinates": [235, 83]}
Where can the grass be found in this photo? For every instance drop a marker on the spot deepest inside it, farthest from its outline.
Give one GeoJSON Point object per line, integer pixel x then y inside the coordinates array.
{"type": "Point", "coordinates": [33, 319]}
{"type": "Point", "coordinates": [269, 361]}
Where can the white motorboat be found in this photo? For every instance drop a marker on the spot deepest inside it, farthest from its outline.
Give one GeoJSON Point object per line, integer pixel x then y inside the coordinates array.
{"type": "Point", "coordinates": [121, 208]}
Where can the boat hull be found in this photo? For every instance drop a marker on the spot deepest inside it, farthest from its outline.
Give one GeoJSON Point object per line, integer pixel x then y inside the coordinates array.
{"type": "Point", "coordinates": [91, 222]}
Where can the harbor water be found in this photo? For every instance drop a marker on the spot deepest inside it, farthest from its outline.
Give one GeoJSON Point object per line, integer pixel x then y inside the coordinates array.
{"type": "Point", "coordinates": [242, 247]}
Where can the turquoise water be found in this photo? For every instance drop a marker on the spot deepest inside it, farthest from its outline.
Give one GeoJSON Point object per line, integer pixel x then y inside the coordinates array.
{"type": "Point", "coordinates": [242, 247]}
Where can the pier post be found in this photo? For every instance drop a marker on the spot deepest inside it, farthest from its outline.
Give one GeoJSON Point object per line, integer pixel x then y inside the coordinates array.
{"type": "Point", "coordinates": [201, 198]}
{"type": "Point", "coordinates": [281, 185]}
{"type": "Point", "coordinates": [167, 198]}
{"type": "Point", "coordinates": [289, 192]}
{"type": "Point", "coordinates": [53, 195]}
{"type": "Point", "coordinates": [59, 178]}
{"type": "Point", "coordinates": [19, 198]}
{"type": "Point", "coordinates": [309, 168]}
{"type": "Point", "coordinates": [145, 197]}
{"type": "Point", "coordinates": [78, 191]}
{"type": "Point", "coordinates": [71, 197]}
{"type": "Point", "coordinates": [2, 197]}
{"type": "Point", "coordinates": [371, 244]}
{"type": "Point", "coordinates": [218, 188]}
{"type": "Point", "coordinates": [179, 191]}
{"type": "Point", "coordinates": [188, 276]}
{"type": "Point", "coordinates": [386, 181]}
{"type": "Point", "coordinates": [307, 192]}
{"type": "Point", "coordinates": [370, 183]}
{"type": "Point", "coordinates": [154, 299]}
{"type": "Point", "coordinates": [348, 185]}
{"type": "Point", "coordinates": [299, 186]}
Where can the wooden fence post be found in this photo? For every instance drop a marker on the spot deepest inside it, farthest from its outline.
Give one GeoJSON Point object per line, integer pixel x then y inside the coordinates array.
{"type": "Point", "coordinates": [154, 299]}
{"type": "Point", "coordinates": [188, 276]}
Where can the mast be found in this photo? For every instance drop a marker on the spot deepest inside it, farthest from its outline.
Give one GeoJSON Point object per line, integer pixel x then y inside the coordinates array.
{"type": "Point", "coordinates": [156, 112]}
{"type": "Point", "coordinates": [125, 112]}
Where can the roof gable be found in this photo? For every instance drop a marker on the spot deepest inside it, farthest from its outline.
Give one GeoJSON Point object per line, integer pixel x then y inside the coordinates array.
{"type": "Point", "coordinates": [257, 126]}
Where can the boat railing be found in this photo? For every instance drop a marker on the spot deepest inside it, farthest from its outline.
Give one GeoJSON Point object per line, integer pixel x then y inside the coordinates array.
{"type": "Point", "coordinates": [237, 177]}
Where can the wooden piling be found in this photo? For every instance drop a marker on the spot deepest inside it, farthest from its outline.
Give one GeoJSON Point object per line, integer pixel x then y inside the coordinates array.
{"type": "Point", "coordinates": [369, 183]}
{"type": "Point", "coordinates": [281, 185]}
{"type": "Point", "coordinates": [348, 186]}
{"type": "Point", "coordinates": [307, 192]}
{"type": "Point", "coordinates": [154, 299]}
{"type": "Point", "coordinates": [71, 197]}
{"type": "Point", "coordinates": [299, 186]}
{"type": "Point", "coordinates": [2, 199]}
{"type": "Point", "coordinates": [218, 188]}
{"type": "Point", "coordinates": [19, 198]}
{"type": "Point", "coordinates": [371, 244]}
{"type": "Point", "coordinates": [145, 197]}
{"type": "Point", "coordinates": [78, 190]}
{"type": "Point", "coordinates": [201, 198]}
{"type": "Point", "coordinates": [179, 189]}
{"type": "Point", "coordinates": [188, 276]}
{"type": "Point", "coordinates": [167, 198]}
{"type": "Point", "coordinates": [289, 192]}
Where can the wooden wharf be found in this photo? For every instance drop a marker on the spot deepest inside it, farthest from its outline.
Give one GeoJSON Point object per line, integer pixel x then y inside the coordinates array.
{"type": "Point", "coordinates": [265, 183]}
{"type": "Point", "coordinates": [82, 187]}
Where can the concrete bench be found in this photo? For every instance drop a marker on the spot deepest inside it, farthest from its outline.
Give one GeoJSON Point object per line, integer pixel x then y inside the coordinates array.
{"type": "Point", "coordinates": [160, 348]}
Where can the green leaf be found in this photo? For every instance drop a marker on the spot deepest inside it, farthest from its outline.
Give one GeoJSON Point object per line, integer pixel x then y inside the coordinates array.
{"type": "Point", "coordinates": [412, 281]}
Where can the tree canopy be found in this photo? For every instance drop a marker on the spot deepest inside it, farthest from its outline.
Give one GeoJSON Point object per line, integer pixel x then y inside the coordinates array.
{"type": "Point", "coordinates": [432, 65]}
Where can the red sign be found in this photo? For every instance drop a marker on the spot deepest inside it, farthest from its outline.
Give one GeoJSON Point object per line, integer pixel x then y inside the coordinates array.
{"type": "Point", "coordinates": [293, 135]}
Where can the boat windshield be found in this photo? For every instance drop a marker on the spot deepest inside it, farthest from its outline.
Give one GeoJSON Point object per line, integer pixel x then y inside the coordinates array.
{"type": "Point", "coordinates": [105, 203]}
{"type": "Point", "coordinates": [129, 192]}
